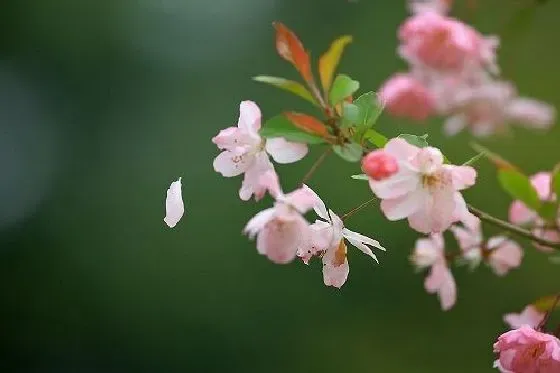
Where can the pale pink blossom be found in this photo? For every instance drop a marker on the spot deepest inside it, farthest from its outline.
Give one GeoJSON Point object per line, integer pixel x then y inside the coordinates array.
{"type": "Point", "coordinates": [327, 239]}
{"type": "Point", "coordinates": [379, 165]}
{"type": "Point", "coordinates": [525, 350]}
{"type": "Point", "coordinates": [500, 253]}
{"type": "Point", "coordinates": [529, 316]}
{"type": "Point", "coordinates": [429, 252]}
{"type": "Point", "coordinates": [282, 229]}
{"type": "Point", "coordinates": [437, 6]}
{"type": "Point", "coordinates": [405, 96]}
{"type": "Point", "coordinates": [424, 190]}
{"type": "Point", "coordinates": [439, 42]}
{"type": "Point", "coordinates": [174, 207]}
{"type": "Point", "coordinates": [520, 214]}
{"type": "Point", "coordinates": [503, 254]}
{"type": "Point", "coordinates": [245, 152]}
{"type": "Point", "coordinates": [489, 107]}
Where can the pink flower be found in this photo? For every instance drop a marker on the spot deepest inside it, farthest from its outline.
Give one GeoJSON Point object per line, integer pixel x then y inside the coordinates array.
{"type": "Point", "coordinates": [520, 214]}
{"type": "Point", "coordinates": [327, 239]}
{"type": "Point", "coordinates": [429, 252]}
{"type": "Point", "coordinates": [280, 230]}
{"type": "Point", "coordinates": [244, 151]}
{"type": "Point", "coordinates": [487, 108]}
{"type": "Point", "coordinates": [379, 165]}
{"type": "Point", "coordinates": [424, 190]}
{"type": "Point", "coordinates": [443, 43]}
{"type": "Point", "coordinates": [405, 96]}
{"type": "Point", "coordinates": [529, 316]}
{"type": "Point", "coordinates": [174, 207]}
{"type": "Point", "coordinates": [500, 253]}
{"type": "Point", "coordinates": [525, 350]}
{"type": "Point", "coordinates": [438, 6]}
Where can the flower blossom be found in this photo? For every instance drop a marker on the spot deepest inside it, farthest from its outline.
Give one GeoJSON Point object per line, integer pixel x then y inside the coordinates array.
{"type": "Point", "coordinates": [406, 96]}
{"type": "Point", "coordinates": [424, 190]}
{"type": "Point", "coordinates": [174, 207]}
{"type": "Point", "coordinates": [525, 350]}
{"type": "Point", "coordinates": [245, 152]}
{"type": "Point", "coordinates": [529, 316]}
{"type": "Point", "coordinates": [281, 229]}
{"type": "Point", "coordinates": [327, 239]}
{"type": "Point", "coordinates": [429, 253]}
{"type": "Point", "coordinates": [499, 252]}
{"type": "Point", "coordinates": [520, 214]}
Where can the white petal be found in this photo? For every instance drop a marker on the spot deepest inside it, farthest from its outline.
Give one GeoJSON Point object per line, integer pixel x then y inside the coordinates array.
{"type": "Point", "coordinates": [319, 206]}
{"type": "Point", "coordinates": [283, 151]}
{"type": "Point", "coordinates": [253, 182]}
{"type": "Point", "coordinates": [454, 124]}
{"type": "Point", "coordinates": [230, 163]}
{"type": "Point", "coordinates": [409, 204]}
{"type": "Point", "coordinates": [355, 236]}
{"type": "Point", "coordinates": [257, 222]}
{"type": "Point", "coordinates": [174, 208]}
{"type": "Point", "coordinates": [249, 118]}
{"type": "Point", "coordinates": [403, 182]}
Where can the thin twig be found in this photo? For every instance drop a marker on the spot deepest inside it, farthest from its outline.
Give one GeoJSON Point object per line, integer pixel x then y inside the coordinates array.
{"type": "Point", "coordinates": [316, 165]}
{"type": "Point", "coordinates": [512, 228]}
{"type": "Point", "coordinates": [549, 312]}
{"type": "Point", "coordinates": [356, 209]}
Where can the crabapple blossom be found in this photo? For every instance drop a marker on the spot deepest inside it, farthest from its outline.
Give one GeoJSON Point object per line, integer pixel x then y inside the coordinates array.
{"type": "Point", "coordinates": [245, 152]}
{"type": "Point", "coordinates": [174, 207]}
{"type": "Point", "coordinates": [379, 165]}
{"type": "Point", "coordinates": [406, 96]}
{"type": "Point", "coordinates": [424, 190]}
{"type": "Point", "coordinates": [281, 229]}
{"type": "Point", "coordinates": [429, 252]}
{"type": "Point", "coordinates": [488, 107]}
{"type": "Point", "coordinates": [327, 239]}
{"type": "Point", "coordinates": [439, 42]}
{"type": "Point", "coordinates": [520, 214]}
{"type": "Point", "coordinates": [529, 316]}
{"type": "Point", "coordinates": [500, 253]}
{"type": "Point", "coordinates": [525, 350]}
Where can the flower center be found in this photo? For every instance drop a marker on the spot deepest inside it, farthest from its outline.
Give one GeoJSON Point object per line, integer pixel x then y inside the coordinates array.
{"type": "Point", "coordinates": [435, 181]}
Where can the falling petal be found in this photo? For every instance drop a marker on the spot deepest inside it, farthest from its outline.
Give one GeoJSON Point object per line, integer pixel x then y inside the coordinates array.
{"type": "Point", "coordinates": [174, 208]}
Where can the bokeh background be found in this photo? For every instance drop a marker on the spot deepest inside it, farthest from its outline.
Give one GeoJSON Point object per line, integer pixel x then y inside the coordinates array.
{"type": "Point", "coordinates": [104, 103]}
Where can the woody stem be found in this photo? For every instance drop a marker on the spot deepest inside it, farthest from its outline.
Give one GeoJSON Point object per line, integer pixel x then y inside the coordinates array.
{"type": "Point", "coordinates": [358, 208]}
{"type": "Point", "coordinates": [512, 228]}
{"type": "Point", "coordinates": [316, 165]}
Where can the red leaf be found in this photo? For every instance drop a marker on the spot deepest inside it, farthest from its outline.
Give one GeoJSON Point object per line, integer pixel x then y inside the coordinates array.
{"type": "Point", "coordinates": [308, 123]}
{"type": "Point", "coordinates": [291, 49]}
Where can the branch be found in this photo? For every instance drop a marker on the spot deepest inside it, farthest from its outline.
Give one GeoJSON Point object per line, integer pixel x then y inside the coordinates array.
{"type": "Point", "coordinates": [316, 165]}
{"type": "Point", "coordinates": [512, 228]}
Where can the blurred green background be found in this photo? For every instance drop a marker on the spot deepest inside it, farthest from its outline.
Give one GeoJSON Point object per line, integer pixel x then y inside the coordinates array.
{"type": "Point", "coordinates": [104, 103]}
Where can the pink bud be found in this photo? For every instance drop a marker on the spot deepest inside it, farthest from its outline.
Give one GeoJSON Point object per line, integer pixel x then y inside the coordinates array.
{"type": "Point", "coordinates": [379, 165]}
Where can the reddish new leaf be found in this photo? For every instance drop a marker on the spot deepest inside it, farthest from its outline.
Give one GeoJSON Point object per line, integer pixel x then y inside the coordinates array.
{"type": "Point", "coordinates": [308, 123]}
{"type": "Point", "coordinates": [291, 49]}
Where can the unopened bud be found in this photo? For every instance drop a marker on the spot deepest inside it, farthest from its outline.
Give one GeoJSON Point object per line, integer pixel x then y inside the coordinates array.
{"type": "Point", "coordinates": [379, 165]}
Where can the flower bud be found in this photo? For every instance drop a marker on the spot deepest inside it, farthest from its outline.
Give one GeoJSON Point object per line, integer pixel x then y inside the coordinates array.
{"type": "Point", "coordinates": [379, 165]}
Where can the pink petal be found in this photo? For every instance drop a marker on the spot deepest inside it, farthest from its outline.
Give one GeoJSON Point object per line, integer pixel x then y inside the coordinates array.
{"type": "Point", "coordinates": [280, 239]}
{"type": "Point", "coordinates": [334, 275]}
{"type": "Point", "coordinates": [253, 182]}
{"type": "Point", "coordinates": [519, 213]}
{"type": "Point", "coordinates": [249, 117]}
{"type": "Point", "coordinates": [228, 137]}
{"type": "Point", "coordinates": [231, 164]}
{"type": "Point", "coordinates": [427, 160]}
{"type": "Point", "coordinates": [401, 149]}
{"type": "Point", "coordinates": [258, 222]}
{"type": "Point", "coordinates": [402, 207]}
{"type": "Point", "coordinates": [302, 199]}
{"type": "Point", "coordinates": [441, 281]}
{"type": "Point", "coordinates": [269, 181]}
{"type": "Point", "coordinates": [531, 113]}
{"type": "Point", "coordinates": [427, 252]}
{"type": "Point", "coordinates": [174, 207]}
{"type": "Point", "coordinates": [436, 214]}
{"type": "Point", "coordinates": [463, 176]}
{"type": "Point", "coordinates": [529, 316]}
{"type": "Point", "coordinates": [506, 255]}
{"type": "Point", "coordinates": [541, 182]}
{"type": "Point", "coordinates": [283, 151]}
{"type": "Point", "coordinates": [454, 124]}
{"type": "Point", "coordinates": [403, 182]}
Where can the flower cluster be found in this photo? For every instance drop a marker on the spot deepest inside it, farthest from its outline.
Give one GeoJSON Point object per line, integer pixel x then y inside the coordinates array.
{"type": "Point", "coordinates": [453, 73]}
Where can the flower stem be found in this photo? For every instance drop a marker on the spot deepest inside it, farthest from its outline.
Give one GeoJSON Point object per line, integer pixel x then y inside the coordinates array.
{"type": "Point", "coordinates": [512, 228]}
{"type": "Point", "coordinates": [547, 315]}
{"type": "Point", "coordinates": [356, 209]}
{"type": "Point", "coordinates": [316, 165]}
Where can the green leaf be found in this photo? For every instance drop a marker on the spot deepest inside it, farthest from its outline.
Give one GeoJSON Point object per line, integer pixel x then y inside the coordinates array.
{"type": "Point", "coordinates": [280, 126]}
{"type": "Point", "coordinates": [342, 88]}
{"type": "Point", "coordinates": [545, 304]}
{"type": "Point", "coordinates": [375, 138]}
{"type": "Point", "coordinates": [473, 159]}
{"type": "Point", "coordinates": [556, 181]}
{"type": "Point", "coordinates": [419, 141]}
{"type": "Point", "coordinates": [519, 187]}
{"type": "Point", "coordinates": [349, 152]}
{"type": "Point", "coordinates": [360, 177]}
{"type": "Point", "coordinates": [288, 85]}
{"type": "Point", "coordinates": [370, 109]}
{"type": "Point", "coordinates": [548, 211]}
{"type": "Point", "coordinates": [350, 114]}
